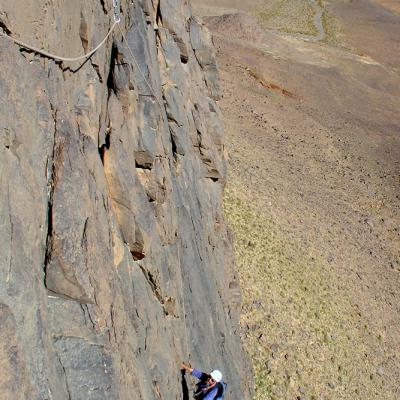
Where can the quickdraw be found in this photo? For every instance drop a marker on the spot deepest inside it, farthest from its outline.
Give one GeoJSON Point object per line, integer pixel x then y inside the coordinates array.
{"type": "Point", "coordinates": [117, 11]}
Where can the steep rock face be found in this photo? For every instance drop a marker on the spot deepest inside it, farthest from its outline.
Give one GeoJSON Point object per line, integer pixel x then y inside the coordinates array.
{"type": "Point", "coordinates": [115, 259]}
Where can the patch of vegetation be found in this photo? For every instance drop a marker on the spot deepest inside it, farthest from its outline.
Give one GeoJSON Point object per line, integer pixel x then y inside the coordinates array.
{"type": "Point", "coordinates": [330, 27]}
{"type": "Point", "coordinates": [330, 24]}
{"type": "Point", "coordinates": [289, 16]}
{"type": "Point", "coordinates": [299, 325]}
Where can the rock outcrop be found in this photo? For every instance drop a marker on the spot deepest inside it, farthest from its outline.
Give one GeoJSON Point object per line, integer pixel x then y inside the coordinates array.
{"type": "Point", "coordinates": [116, 263]}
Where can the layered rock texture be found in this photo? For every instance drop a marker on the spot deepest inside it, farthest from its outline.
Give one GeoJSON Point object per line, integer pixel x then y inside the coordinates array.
{"type": "Point", "coordinates": [116, 263]}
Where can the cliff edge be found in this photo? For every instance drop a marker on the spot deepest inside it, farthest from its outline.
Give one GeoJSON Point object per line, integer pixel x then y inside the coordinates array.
{"type": "Point", "coordinates": [116, 263]}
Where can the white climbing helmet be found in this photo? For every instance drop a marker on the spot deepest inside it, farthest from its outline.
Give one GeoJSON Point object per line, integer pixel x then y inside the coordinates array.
{"type": "Point", "coordinates": [216, 375]}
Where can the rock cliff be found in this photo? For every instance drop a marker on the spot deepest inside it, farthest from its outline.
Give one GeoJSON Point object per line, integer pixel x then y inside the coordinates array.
{"type": "Point", "coordinates": [116, 263]}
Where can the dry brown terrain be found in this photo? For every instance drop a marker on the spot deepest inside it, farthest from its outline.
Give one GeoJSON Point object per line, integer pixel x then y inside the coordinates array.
{"type": "Point", "coordinates": [311, 100]}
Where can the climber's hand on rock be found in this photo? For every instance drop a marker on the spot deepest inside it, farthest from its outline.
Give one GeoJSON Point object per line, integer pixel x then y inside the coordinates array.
{"type": "Point", "coordinates": [186, 368]}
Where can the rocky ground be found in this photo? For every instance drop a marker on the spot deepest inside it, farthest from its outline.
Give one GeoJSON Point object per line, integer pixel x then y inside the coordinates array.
{"type": "Point", "coordinates": [311, 99]}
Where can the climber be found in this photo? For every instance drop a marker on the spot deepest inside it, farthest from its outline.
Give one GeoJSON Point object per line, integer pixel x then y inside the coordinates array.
{"type": "Point", "coordinates": [210, 386]}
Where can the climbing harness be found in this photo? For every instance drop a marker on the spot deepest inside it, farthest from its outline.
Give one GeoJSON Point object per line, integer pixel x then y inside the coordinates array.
{"type": "Point", "coordinates": [201, 393]}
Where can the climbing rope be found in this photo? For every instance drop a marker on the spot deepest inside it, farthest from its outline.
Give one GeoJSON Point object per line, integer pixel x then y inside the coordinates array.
{"type": "Point", "coordinates": [54, 56]}
{"type": "Point", "coordinates": [138, 67]}
{"type": "Point", "coordinates": [184, 313]}
{"type": "Point", "coordinates": [117, 19]}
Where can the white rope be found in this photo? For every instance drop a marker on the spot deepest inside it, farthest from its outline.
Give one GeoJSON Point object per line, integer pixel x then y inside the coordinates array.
{"type": "Point", "coordinates": [117, 19]}
{"type": "Point", "coordinates": [161, 108]}
{"type": "Point", "coordinates": [187, 355]}
{"type": "Point", "coordinates": [140, 71]}
{"type": "Point", "coordinates": [54, 56]}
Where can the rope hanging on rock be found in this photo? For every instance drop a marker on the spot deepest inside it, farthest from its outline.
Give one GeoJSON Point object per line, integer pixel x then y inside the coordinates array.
{"type": "Point", "coordinates": [138, 68]}
{"type": "Point", "coordinates": [54, 56]}
{"type": "Point", "coordinates": [117, 19]}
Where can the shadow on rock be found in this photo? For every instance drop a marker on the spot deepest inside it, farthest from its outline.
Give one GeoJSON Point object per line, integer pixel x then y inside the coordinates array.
{"type": "Point", "coordinates": [185, 389]}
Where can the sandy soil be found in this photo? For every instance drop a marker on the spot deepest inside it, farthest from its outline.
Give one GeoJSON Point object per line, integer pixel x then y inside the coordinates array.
{"type": "Point", "coordinates": [312, 131]}
{"type": "Point", "coordinates": [391, 5]}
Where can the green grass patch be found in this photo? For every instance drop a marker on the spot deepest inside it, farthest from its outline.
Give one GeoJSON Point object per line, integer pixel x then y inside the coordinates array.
{"type": "Point", "coordinates": [290, 16]}
{"type": "Point", "coordinates": [298, 325]}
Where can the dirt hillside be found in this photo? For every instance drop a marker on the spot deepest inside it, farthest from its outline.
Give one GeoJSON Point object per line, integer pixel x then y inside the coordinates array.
{"type": "Point", "coordinates": [311, 100]}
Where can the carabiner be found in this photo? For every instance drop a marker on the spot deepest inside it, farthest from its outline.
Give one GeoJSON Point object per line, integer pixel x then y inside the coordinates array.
{"type": "Point", "coordinates": [117, 14]}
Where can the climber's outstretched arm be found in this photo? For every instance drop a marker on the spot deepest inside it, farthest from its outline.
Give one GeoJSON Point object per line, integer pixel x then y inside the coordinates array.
{"type": "Point", "coordinates": [186, 368]}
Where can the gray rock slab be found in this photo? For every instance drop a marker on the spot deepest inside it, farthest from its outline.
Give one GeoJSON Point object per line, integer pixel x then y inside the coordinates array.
{"type": "Point", "coordinates": [116, 263]}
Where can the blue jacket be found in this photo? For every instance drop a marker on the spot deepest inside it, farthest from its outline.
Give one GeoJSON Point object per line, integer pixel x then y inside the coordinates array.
{"type": "Point", "coordinates": [202, 376]}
